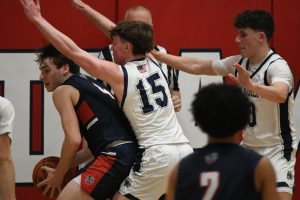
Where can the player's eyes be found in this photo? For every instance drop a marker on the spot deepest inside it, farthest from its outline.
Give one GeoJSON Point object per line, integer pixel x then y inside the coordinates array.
{"type": "Point", "coordinates": [243, 34]}
{"type": "Point", "coordinates": [45, 71]}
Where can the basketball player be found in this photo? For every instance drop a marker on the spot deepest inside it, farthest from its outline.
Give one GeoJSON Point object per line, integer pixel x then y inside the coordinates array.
{"type": "Point", "coordinates": [134, 13]}
{"type": "Point", "coordinates": [88, 111]}
{"type": "Point", "coordinates": [267, 79]}
{"type": "Point", "coordinates": [7, 170]}
{"type": "Point", "coordinates": [222, 170]}
{"type": "Point", "coordinates": [142, 92]}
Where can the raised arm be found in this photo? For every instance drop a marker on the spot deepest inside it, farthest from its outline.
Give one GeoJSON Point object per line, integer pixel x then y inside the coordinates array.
{"type": "Point", "coordinates": [103, 70]}
{"type": "Point", "coordinates": [186, 64]}
{"type": "Point", "coordinates": [99, 20]}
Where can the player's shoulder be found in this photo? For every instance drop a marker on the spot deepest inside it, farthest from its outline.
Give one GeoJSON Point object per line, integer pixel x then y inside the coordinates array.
{"type": "Point", "coordinates": [4, 102]}
{"type": "Point", "coordinates": [276, 59]}
{"type": "Point", "coordinates": [6, 108]}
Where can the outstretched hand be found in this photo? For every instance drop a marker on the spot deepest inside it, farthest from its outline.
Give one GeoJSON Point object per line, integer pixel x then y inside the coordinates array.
{"type": "Point", "coordinates": [78, 4]}
{"type": "Point", "coordinates": [243, 77]}
{"type": "Point", "coordinates": [154, 53]}
{"type": "Point", "coordinates": [31, 9]}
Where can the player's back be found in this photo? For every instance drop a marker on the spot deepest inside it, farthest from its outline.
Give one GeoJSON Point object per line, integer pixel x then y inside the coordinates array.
{"type": "Point", "coordinates": [219, 172]}
{"type": "Point", "coordinates": [148, 106]}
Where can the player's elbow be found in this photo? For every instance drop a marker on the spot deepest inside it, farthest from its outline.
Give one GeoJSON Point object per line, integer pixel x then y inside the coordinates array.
{"type": "Point", "coordinates": [76, 143]}
{"type": "Point", "coordinates": [282, 97]}
{"type": "Point", "coordinates": [73, 142]}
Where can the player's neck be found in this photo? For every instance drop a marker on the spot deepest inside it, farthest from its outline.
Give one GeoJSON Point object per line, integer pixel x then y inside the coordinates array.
{"type": "Point", "coordinates": [67, 76]}
{"type": "Point", "coordinates": [260, 55]}
{"type": "Point", "coordinates": [135, 57]}
{"type": "Point", "coordinates": [229, 139]}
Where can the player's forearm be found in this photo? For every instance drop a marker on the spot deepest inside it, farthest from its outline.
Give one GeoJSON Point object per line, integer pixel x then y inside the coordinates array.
{"type": "Point", "coordinates": [7, 180]}
{"type": "Point", "coordinates": [72, 141]}
{"type": "Point", "coordinates": [277, 94]}
{"type": "Point", "coordinates": [64, 44]}
{"type": "Point", "coordinates": [100, 21]}
{"type": "Point", "coordinates": [68, 154]}
{"type": "Point", "coordinates": [186, 64]}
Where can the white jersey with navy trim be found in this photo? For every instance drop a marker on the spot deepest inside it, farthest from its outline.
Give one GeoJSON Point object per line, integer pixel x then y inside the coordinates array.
{"type": "Point", "coordinates": [7, 115]}
{"type": "Point", "coordinates": [102, 54]}
{"type": "Point", "coordinates": [148, 106]}
{"type": "Point", "coordinates": [171, 73]}
{"type": "Point", "coordinates": [164, 67]}
{"type": "Point", "coordinates": [271, 123]}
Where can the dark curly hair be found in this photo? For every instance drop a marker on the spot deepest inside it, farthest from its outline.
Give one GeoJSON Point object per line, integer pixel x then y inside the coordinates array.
{"type": "Point", "coordinates": [258, 20]}
{"type": "Point", "coordinates": [221, 110]}
{"type": "Point", "coordinates": [49, 51]}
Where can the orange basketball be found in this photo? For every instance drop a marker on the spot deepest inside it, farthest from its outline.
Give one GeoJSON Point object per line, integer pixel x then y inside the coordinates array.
{"type": "Point", "coordinates": [38, 174]}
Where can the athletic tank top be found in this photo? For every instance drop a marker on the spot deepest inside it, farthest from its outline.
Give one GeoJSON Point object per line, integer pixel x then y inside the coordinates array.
{"type": "Point", "coordinates": [148, 106]}
{"type": "Point", "coordinates": [218, 172]}
{"type": "Point", "coordinates": [100, 118]}
{"type": "Point", "coordinates": [270, 123]}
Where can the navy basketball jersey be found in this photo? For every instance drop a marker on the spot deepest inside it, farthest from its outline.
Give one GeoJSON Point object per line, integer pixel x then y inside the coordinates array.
{"type": "Point", "coordinates": [100, 119]}
{"type": "Point", "coordinates": [218, 172]}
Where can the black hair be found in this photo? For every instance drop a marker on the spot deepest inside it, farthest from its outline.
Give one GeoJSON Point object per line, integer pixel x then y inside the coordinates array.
{"type": "Point", "coordinates": [258, 20]}
{"type": "Point", "coordinates": [221, 110]}
{"type": "Point", "coordinates": [49, 51]}
{"type": "Point", "coordinates": [138, 33]}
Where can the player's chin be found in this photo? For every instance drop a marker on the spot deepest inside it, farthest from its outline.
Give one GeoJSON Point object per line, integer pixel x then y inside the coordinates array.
{"type": "Point", "coordinates": [49, 88]}
{"type": "Point", "coordinates": [244, 53]}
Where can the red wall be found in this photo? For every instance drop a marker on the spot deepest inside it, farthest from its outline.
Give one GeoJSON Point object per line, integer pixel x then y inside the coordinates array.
{"type": "Point", "coordinates": [287, 30]}
{"type": "Point", "coordinates": [177, 24]}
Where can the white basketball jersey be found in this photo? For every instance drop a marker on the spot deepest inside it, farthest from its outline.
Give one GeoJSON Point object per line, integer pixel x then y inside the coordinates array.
{"type": "Point", "coordinates": [172, 75]}
{"type": "Point", "coordinates": [164, 67]}
{"type": "Point", "coordinates": [148, 106]}
{"type": "Point", "coordinates": [270, 123]}
{"type": "Point", "coordinates": [7, 115]}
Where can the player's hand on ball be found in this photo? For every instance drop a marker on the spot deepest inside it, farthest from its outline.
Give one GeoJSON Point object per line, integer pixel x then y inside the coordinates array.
{"type": "Point", "coordinates": [52, 184]}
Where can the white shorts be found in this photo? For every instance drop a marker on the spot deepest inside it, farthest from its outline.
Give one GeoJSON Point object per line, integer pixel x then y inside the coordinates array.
{"type": "Point", "coordinates": [148, 178]}
{"type": "Point", "coordinates": [284, 169]}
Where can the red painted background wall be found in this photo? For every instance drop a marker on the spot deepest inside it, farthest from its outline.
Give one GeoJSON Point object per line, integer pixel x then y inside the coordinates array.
{"type": "Point", "coordinates": [177, 24]}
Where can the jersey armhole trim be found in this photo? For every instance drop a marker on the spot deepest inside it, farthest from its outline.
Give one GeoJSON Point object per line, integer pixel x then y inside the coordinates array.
{"type": "Point", "coordinates": [125, 86]}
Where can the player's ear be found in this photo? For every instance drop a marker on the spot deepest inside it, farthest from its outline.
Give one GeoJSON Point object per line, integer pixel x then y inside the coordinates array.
{"type": "Point", "coordinates": [262, 36]}
{"type": "Point", "coordinates": [66, 69]}
{"type": "Point", "coordinates": [128, 47]}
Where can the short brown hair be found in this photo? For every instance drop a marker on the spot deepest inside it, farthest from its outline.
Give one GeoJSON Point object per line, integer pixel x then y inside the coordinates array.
{"type": "Point", "coordinates": [138, 33]}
